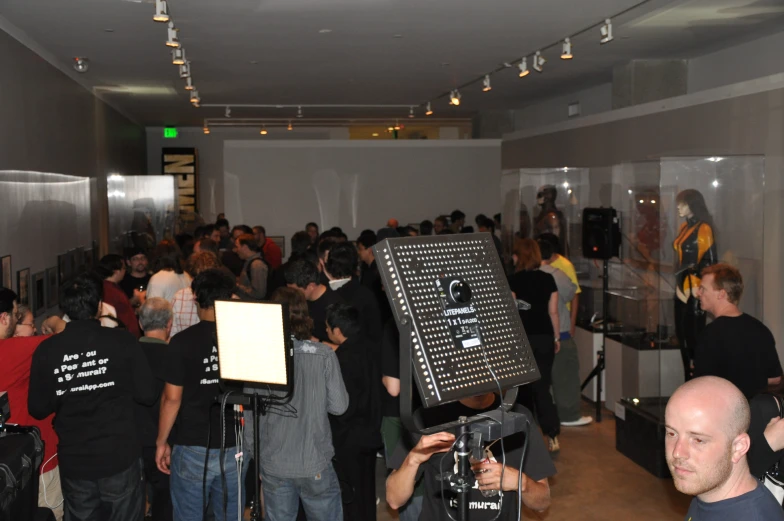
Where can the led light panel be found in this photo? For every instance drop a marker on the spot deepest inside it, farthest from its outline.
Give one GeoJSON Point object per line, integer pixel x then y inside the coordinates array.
{"type": "Point", "coordinates": [448, 337]}
{"type": "Point", "coordinates": [252, 342]}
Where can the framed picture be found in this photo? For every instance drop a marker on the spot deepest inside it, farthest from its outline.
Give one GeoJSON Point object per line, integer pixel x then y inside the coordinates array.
{"type": "Point", "coordinates": [39, 293]}
{"type": "Point", "coordinates": [5, 271]}
{"type": "Point", "coordinates": [281, 242]}
{"type": "Point", "coordinates": [23, 286]}
{"type": "Point", "coordinates": [52, 287]}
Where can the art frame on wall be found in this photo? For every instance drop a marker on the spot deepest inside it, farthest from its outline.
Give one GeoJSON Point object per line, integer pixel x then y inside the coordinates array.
{"type": "Point", "coordinates": [52, 287]}
{"type": "Point", "coordinates": [5, 271]}
{"type": "Point", "coordinates": [23, 286]}
{"type": "Point", "coordinates": [281, 242]}
{"type": "Point", "coordinates": [38, 293]}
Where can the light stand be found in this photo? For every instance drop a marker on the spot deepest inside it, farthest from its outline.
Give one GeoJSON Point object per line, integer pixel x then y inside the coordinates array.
{"type": "Point", "coordinates": [460, 336]}
{"type": "Point", "coordinates": [599, 367]}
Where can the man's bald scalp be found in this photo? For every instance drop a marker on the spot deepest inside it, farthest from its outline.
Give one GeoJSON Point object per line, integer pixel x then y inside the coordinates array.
{"type": "Point", "coordinates": [738, 414]}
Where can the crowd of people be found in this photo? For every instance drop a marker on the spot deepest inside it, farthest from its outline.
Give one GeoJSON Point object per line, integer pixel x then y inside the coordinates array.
{"type": "Point", "coordinates": [123, 387]}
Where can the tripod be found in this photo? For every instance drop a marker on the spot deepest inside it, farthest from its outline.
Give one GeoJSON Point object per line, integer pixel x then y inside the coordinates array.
{"type": "Point", "coordinates": [599, 367]}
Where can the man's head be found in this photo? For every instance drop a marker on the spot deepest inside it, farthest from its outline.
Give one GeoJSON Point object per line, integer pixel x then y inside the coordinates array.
{"type": "Point", "coordinates": [365, 243]}
{"type": "Point", "coordinates": [261, 235]}
{"type": "Point", "coordinates": [80, 297]}
{"type": "Point", "coordinates": [167, 256]}
{"type": "Point", "coordinates": [155, 318]}
{"type": "Point", "coordinates": [301, 274]}
{"type": "Point", "coordinates": [212, 232]}
{"type": "Point", "coordinates": [222, 225]}
{"type": "Point", "coordinates": [300, 242]}
{"type": "Point", "coordinates": [439, 224]}
{"type": "Point", "coordinates": [112, 267]}
{"type": "Point", "coordinates": [324, 246]}
{"type": "Point", "coordinates": [300, 323]}
{"type": "Point", "coordinates": [706, 441]}
{"type": "Point", "coordinates": [721, 288]}
{"type": "Point", "coordinates": [458, 220]}
{"type": "Point", "coordinates": [212, 285]}
{"type": "Point", "coordinates": [206, 245]}
{"type": "Point", "coordinates": [342, 322]}
{"type": "Point", "coordinates": [202, 261]}
{"type": "Point", "coordinates": [136, 258]}
{"type": "Point", "coordinates": [9, 313]}
{"type": "Point", "coordinates": [426, 227]}
{"type": "Point", "coordinates": [547, 250]}
{"type": "Point", "coordinates": [342, 262]}
{"type": "Point", "coordinates": [241, 229]}
{"type": "Point", "coordinates": [484, 224]}
{"type": "Point", "coordinates": [312, 230]}
{"type": "Point", "coordinates": [25, 322]}
{"type": "Point", "coordinates": [246, 246]}
{"type": "Point", "coordinates": [553, 240]}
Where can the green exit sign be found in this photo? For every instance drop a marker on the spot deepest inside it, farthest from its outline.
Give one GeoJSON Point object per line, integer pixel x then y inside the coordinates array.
{"type": "Point", "coordinates": [169, 132]}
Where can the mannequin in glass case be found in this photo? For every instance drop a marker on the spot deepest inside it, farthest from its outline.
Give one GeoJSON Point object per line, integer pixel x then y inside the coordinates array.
{"type": "Point", "coordinates": [695, 249]}
{"type": "Point", "coordinates": [550, 219]}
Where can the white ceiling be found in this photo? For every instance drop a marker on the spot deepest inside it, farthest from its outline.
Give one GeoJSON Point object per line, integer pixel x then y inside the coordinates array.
{"type": "Point", "coordinates": [378, 52]}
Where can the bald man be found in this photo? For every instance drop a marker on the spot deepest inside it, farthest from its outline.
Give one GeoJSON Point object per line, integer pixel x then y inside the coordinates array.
{"type": "Point", "coordinates": [706, 444]}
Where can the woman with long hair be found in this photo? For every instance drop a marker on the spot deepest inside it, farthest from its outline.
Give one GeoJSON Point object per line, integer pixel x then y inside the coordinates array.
{"type": "Point", "coordinates": [169, 275]}
{"type": "Point", "coordinates": [541, 323]}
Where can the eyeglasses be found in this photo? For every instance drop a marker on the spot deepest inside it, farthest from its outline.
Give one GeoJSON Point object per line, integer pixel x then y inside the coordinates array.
{"type": "Point", "coordinates": [23, 324]}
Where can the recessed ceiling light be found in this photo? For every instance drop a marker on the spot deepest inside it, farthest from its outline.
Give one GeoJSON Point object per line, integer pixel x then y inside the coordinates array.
{"type": "Point", "coordinates": [108, 30]}
{"type": "Point", "coordinates": [81, 64]}
{"type": "Point", "coordinates": [325, 31]}
{"type": "Point", "coordinates": [397, 36]}
{"type": "Point", "coordinates": [444, 64]}
{"type": "Point", "coordinates": [375, 134]}
{"type": "Point", "coordinates": [254, 62]}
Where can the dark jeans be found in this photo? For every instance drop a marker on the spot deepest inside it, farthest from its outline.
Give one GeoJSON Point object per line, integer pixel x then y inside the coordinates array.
{"type": "Point", "coordinates": [356, 471]}
{"type": "Point", "coordinates": [688, 326]}
{"type": "Point", "coordinates": [116, 498]}
{"type": "Point", "coordinates": [536, 396]}
{"type": "Point", "coordinates": [158, 494]}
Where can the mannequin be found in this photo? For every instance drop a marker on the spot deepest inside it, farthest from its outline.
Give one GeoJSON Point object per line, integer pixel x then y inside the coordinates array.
{"type": "Point", "coordinates": [550, 219]}
{"type": "Point", "coordinates": [695, 249]}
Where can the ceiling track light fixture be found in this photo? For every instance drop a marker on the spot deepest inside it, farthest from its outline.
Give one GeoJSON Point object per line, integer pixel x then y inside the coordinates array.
{"type": "Point", "coordinates": [299, 112]}
{"type": "Point", "coordinates": [161, 11]}
{"type": "Point", "coordinates": [227, 113]}
{"type": "Point", "coordinates": [195, 99]}
{"type": "Point", "coordinates": [524, 67]}
{"type": "Point", "coordinates": [206, 130]}
{"type": "Point", "coordinates": [185, 70]}
{"type": "Point", "coordinates": [455, 97]}
{"type": "Point", "coordinates": [486, 87]}
{"type": "Point", "coordinates": [539, 61]}
{"type": "Point", "coordinates": [606, 31]}
{"type": "Point", "coordinates": [397, 125]}
{"type": "Point", "coordinates": [566, 52]}
{"type": "Point", "coordinates": [173, 40]}
{"type": "Point", "coordinates": [189, 83]}
{"type": "Point", "coordinates": [290, 127]}
{"type": "Point", "coordinates": [411, 112]}
{"type": "Point", "coordinates": [263, 131]}
{"type": "Point", "coordinates": [178, 56]}
{"type": "Point", "coordinates": [428, 110]}
{"type": "Point", "coordinates": [81, 65]}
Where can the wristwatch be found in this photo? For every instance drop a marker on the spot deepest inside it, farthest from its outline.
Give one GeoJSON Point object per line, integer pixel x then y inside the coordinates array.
{"type": "Point", "coordinates": [557, 340]}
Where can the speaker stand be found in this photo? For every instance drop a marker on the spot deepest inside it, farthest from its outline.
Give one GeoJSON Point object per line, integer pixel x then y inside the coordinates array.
{"type": "Point", "coordinates": [599, 367]}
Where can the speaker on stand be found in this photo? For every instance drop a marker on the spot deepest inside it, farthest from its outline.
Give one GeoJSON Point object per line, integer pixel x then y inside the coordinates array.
{"type": "Point", "coordinates": [601, 240]}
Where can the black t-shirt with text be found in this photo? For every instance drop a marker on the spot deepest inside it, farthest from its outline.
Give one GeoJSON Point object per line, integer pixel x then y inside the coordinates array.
{"type": "Point", "coordinates": [318, 312]}
{"type": "Point", "coordinates": [739, 349]}
{"type": "Point", "coordinates": [757, 505]}
{"type": "Point", "coordinates": [534, 287]}
{"type": "Point", "coordinates": [537, 466]}
{"type": "Point", "coordinates": [130, 283]}
{"type": "Point", "coordinates": [192, 363]}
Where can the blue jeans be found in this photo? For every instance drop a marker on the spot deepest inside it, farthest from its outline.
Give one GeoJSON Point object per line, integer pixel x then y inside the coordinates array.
{"type": "Point", "coordinates": [320, 495]}
{"type": "Point", "coordinates": [187, 474]}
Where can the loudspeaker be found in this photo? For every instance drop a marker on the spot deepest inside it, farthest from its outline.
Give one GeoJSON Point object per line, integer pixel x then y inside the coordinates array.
{"type": "Point", "coordinates": [601, 233]}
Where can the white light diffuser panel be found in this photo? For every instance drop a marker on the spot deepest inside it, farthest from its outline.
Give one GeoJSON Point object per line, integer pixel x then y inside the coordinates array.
{"type": "Point", "coordinates": [251, 342]}
{"type": "Point", "coordinates": [448, 369]}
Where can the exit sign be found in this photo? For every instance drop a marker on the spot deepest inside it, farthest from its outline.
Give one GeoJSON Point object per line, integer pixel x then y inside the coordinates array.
{"type": "Point", "coordinates": [169, 132]}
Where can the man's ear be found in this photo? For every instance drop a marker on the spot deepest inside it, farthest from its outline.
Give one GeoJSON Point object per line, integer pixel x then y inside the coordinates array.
{"type": "Point", "coordinates": [740, 446]}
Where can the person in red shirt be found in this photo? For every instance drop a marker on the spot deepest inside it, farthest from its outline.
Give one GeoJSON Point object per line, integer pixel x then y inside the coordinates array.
{"type": "Point", "coordinates": [272, 253]}
{"type": "Point", "coordinates": [111, 268]}
{"type": "Point", "coordinates": [17, 355]}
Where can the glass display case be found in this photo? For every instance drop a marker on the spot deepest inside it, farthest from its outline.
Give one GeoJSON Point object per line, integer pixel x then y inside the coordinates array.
{"type": "Point", "coordinates": [142, 211]}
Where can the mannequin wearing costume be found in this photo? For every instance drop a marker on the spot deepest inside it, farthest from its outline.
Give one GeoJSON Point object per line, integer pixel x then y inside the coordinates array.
{"type": "Point", "coordinates": [550, 219]}
{"type": "Point", "coordinates": [695, 249]}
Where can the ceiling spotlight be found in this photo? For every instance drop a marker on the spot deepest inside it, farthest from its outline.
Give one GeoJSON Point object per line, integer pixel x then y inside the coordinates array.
{"type": "Point", "coordinates": [81, 64]}
{"type": "Point", "coordinates": [189, 83]}
{"type": "Point", "coordinates": [227, 113]}
{"type": "Point", "coordinates": [173, 40]}
{"type": "Point", "coordinates": [195, 99]}
{"type": "Point", "coordinates": [185, 70]}
{"type": "Point", "coordinates": [263, 131]}
{"type": "Point", "coordinates": [397, 125]}
{"type": "Point", "coordinates": [290, 127]}
{"type": "Point", "coordinates": [390, 129]}
{"type": "Point", "coordinates": [411, 112]}
{"type": "Point", "coordinates": [524, 68]}
{"type": "Point", "coordinates": [454, 98]}
{"type": "Point", "coordinates": [715, 183]}
{"type": "Point", "coordinates": [486, 84]}
{"type": "Point", "coordinates": [178, 56]}
{"type": "Point", "coordinates": [566, 53]}
{"type": "Point", "coordinates": [206, 130]}
{"type": "Point", "coordinates": [375, 134]}
{"type": "Point", "coordinates": [161, 11]}
{"type": "Point", "coordinates": [299, 112]}
{"type": "Point", "coordinates": [606, 30]}
{"type": "Point", "coordinates": [429, 110]}
{"type": "Point", "coordinates": [539, 61]}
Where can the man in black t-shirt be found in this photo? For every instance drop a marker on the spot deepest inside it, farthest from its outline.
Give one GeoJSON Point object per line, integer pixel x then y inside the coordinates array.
{"type": "Point", "coordinates": [735, 346]}
{"type": "Point", "coordinates": [90, 376]}
{"type": "Point", "coordinates": [427, 458]}
{"type": "Point", "coordinates": [303, 275]}
{"type": "Point", "coordinates": [137, 276]}
{"type": "Point", "coordinates": [191, 372]}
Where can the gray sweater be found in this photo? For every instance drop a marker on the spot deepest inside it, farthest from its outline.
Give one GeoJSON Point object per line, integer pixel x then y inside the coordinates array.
{"type": "Point", "coordinates": [566, 292]}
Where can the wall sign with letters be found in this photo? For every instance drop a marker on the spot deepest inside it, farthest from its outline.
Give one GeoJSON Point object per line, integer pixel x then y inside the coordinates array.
{"type": "Point", "coordinates": [183, 163]}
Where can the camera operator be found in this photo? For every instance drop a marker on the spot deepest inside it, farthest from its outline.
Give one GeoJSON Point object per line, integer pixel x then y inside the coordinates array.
{"type": "Point", "coordinates": [89, 376]}
{"type": "Point", "coordinates": [427, 455]}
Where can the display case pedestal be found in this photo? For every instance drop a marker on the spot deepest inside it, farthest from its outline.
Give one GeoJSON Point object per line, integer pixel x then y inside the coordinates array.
{"type": "Point", "coordinates": [639, 433]}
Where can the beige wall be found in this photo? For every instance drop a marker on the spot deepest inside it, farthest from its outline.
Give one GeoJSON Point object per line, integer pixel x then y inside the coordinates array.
{"type": "Point", "coordinates": [727, 124]}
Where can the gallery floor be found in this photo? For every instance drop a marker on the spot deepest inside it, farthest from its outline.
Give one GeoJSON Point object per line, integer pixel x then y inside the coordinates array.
{"type": "Point", "coordinates": [595, 482]}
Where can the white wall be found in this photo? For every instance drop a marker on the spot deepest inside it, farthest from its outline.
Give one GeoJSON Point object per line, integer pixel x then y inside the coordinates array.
{"type": "Point", "coordinates": [358, 184]}
{"type": "Point", "coordinates": [593, 100]}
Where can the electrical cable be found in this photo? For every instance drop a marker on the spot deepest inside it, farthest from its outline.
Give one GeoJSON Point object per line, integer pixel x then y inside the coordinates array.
{"type": "Point", "coordinates": [222, 452]}
{"type": "Point", "coordinates": [520, 470]}
{"type": "Point", "coordinates": [50, 482]}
